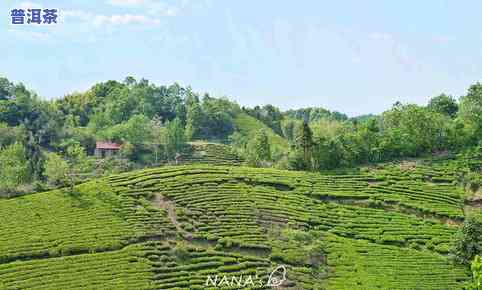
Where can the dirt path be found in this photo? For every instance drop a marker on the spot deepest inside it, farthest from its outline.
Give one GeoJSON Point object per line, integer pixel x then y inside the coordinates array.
{"type": "Point", "coordinates": [170, 208]}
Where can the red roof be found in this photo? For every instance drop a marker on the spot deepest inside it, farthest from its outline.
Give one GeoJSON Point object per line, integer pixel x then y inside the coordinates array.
{"type": "Point", "coordinates": [107, 145]}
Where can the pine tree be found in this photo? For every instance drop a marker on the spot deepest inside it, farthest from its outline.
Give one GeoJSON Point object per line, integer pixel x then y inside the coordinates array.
{"type": "Point", "coordinates": [304, 144]}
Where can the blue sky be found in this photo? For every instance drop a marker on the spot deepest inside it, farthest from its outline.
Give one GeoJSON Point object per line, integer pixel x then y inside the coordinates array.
{"type": "Point", "coordinates": [357, 57]}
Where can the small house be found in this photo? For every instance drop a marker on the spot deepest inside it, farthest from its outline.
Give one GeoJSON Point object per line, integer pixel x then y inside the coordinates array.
{"type": "Point", "coordinates": [105, 149]}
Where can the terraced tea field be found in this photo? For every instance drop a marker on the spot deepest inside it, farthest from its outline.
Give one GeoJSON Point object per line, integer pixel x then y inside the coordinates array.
{"type": "Point", "coordinates": [210, 153]}
{"type": "Point", "coordinates": [176, 227]}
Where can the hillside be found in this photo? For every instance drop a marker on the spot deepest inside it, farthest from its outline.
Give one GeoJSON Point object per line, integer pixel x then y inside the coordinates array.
{"type": "Point", "coordinates": [170, 227]}
{"type": "Point", "coordinates": [248, 126]}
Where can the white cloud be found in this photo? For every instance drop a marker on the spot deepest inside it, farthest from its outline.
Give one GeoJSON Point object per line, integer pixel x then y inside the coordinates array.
{"type": "Point", "coordinates": [28, 5]}
{"type": "Point", "coordinates": [442, 39]}
{"type": "Point", "coordinates": [28, 34]}
{"type": "Point", "coordinates": [125, 19]}
{"type": "Point", "coordinates": [76, 14]}
{"type": "Point", "coordinates": [356, 59]}
{"type": "Point", "coordinates": [161, 9]}
{"type": "Point", "coordinates": [125, 2]}
{"type": "Point", "coordinates": [380, 36]}
{"type": "Point", "coordinates": [115, 19]}
{"type": "Point", "coordinates": [150, 6]}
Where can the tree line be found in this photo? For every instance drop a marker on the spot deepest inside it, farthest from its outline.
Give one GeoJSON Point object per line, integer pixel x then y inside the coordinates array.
{"type": "Point", "coordinates": [44, 143]}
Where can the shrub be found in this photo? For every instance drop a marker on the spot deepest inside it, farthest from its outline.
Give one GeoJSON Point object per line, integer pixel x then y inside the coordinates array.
{"type": "Point", "coordinates": [476, 268]}
{"type": "Point", "coordinates": [467, 243]}
{"type": "Point", "coordinates": [181, 252]}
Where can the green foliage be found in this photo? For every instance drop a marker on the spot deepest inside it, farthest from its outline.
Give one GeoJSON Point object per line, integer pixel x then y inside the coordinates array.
{"type": "Point", "coordinates": [79, 165]}
{"type": "Point", "coordinates": [56, 169]}
{"type": "Point", "coordinates": [175, 138]}
{"type": "Point", "coordinates": [259, 150]}
{"type": "Point", "coordinates": [296, 247]}
{"type": "Point", "coordinates": [412, 131]}
{"type": "Point", "coordinates": [10, 135]}
{"type": "Point", "coordinates": [13, 168]}
{"type": "Point", "coordinates": [139, 114]}
{"type": "Point", "coordinates": [444, 104]}
{"type": "Point", "coordinates": [248, 126]}
{"type": "Point", "coordinates": [328, 154]}
{"type": "Point", "coordinates": [288, 129]}
{"type": "Point", "coordinates": [269, 115]}
{"type": "Point", "coordinates": [218, 120]}
{"type": "Point", "coordinates": [468, 241]}
{"type": "Point", "coordinates": [6, 89]}
{"type": "Point", "coordinates": [471, 111]}
{"type": "Point", "coordinates": [476, 268]}
{"type": "Point", "coordinates": [181, 251]}
{"type": "Point", "coordinates": [315, 114]}
{"type": "Point", "coordinates": [136, 130]}
{"type": "Point", "coordinates": [304, 144]}
{"type": "Point", "coordinates": [194, 117]}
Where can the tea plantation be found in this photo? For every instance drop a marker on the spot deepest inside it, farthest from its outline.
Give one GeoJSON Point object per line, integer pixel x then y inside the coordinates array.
{"type": "Point", "coordinates": [174, 227]}
{"type": "Point", "coordinates": [210, 153]}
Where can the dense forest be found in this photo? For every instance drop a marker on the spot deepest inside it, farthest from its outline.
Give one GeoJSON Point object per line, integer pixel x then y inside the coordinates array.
{"type": "Point", "coordinates": [49, 143]}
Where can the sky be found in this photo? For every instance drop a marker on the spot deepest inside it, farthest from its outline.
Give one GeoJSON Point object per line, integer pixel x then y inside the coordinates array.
{"type": "Point", "coordinates": [356, 57]}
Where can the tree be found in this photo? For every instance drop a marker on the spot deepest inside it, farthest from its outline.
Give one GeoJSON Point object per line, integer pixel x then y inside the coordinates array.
{"type": "Point", "coordinates": [269, 115]}
{"type": "Point", "coordinates": [217, 118]}
{"type": "Point", "coordinates": [78, 164]}
{"type": "Point", "coordinates": [56, 170]}
{"type": "Point", "coordinates": [175, 139]}
{"type": "Point", "coordinates": [6, 89]}
{"type": "Point", "coordinates": [288, 129]}
{"type": "Point", "coordinates": [328, 153]}
{"type": "Point", "coordinates": [259, 148]}
{"type": "Point", "coordinates": [158, 135]}
{"type": "Point", "coordinates": [411, 130]}
{"type": "Point", "coordinates": [137, 130]}
{"type": "Point", "coordinates": [194, 117]}
{"type": "Point", "coordinates": [471, 110]}
{"type": "Point", "coordinates": [467, 242]}
{"type": "Point", "coordinates": [130, 81]}
{"type": "Point", "coordinates": [10, 135]}
{"type": "Point", "coordinates": [13, 168]}
{"type": "Point", "coordinates": [304, 144]}
{"type": "Point", "coordinates": [444, 104]}
{"type": "Point", "coordinates": [239, 142]}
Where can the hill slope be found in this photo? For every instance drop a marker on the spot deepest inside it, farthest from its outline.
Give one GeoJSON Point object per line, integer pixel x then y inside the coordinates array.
{"type": "Point", "coordinates": [248, 126]}
{"type": "Point", "coordinates": [173, 227]}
